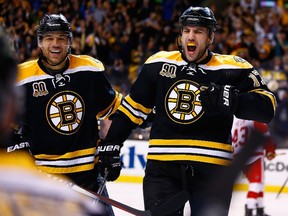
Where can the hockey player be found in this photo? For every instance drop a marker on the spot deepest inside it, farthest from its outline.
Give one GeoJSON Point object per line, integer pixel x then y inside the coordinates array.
{"type": "Point", "coordinates": [254, 169]}
{"type": "Point", "coordinates": [23, 190]}
{"type": "Point", "coordinates": [65, 96]}
{"type": "Point", "coordinates": [195, 94]}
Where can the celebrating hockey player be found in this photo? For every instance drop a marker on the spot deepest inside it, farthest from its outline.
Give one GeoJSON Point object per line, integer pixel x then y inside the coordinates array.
{"type": "Point", "coordinates": [23, 190]}
{"type": "Point", "coordinates": [195, 94]}
{"type": "Point", "coordinates": [65, 96]}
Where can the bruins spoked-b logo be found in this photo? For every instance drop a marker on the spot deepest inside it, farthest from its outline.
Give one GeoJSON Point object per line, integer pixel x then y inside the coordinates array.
{"type": "Point", "coordinates": [182, 102]}
{"type": "Point", "coordinates": [65, 112]}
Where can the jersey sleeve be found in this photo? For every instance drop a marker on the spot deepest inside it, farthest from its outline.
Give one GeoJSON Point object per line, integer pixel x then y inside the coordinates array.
{"type": "Point", "coordinates": [140, 102]}
{"type": "Point", "coordinates": [255, 101]}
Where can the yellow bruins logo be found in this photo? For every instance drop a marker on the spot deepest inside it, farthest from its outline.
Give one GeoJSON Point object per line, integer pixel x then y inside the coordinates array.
{"type": "Point", "coordinates": [64, 112]}
{"type": "Point", "coordinates": [182, 102]}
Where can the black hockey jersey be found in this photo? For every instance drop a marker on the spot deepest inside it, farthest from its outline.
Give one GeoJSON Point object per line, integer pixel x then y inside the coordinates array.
{"type": "Point", "coordinates": [62, 110]}
{"type": "Point", "coordinates": [181, 130]}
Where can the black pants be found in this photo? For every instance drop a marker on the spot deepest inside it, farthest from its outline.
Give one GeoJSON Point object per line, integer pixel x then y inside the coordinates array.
{"type": "Point", "coordinates": [164, 179]}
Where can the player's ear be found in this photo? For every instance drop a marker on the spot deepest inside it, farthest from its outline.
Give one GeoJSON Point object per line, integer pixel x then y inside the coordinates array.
{"type": "Point", "coordinates": [211, 38]}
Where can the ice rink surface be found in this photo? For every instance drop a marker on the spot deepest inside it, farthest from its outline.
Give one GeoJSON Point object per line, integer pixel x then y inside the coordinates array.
{"type": "Point", "coordinates": [131, 194]}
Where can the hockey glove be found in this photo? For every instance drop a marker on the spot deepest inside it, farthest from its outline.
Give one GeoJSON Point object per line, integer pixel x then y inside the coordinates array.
{"type": "Point", "coordinates": [270, 147]}
{"type": "Point", "coordinates": [109, 158]}
{"type": "Point", "coordinates": [217, 100]}
{"type": "Point", "coordinates": [16, 141]}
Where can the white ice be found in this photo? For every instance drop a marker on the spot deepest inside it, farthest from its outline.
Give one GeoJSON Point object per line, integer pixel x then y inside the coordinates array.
{"type": "Point", "coordinates": [131, 194]}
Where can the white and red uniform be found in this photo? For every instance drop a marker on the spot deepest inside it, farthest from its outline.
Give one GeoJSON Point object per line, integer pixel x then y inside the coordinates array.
{"type": "Point", "coordinates": [254, 169]}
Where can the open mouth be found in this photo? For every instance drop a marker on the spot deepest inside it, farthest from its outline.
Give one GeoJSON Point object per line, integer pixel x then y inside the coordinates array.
{"type": "Point", "coordinates": [55, 51]}
{"type": "Point", "coordinates": [191, 47]}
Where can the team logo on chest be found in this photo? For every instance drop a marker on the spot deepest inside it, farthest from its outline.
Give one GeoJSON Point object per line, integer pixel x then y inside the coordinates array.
{"type": "Point", "coordinates": [182, 102]}
{"type": "Point", "coordinates": [65, 111]}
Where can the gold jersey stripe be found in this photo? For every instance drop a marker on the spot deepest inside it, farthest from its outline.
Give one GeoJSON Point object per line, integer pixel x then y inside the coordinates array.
{"type": "Point", "coordinates": [30, 70]}
{"type": "Point", "coordinates": [226, 62]}
{"type": "Point", "coordinates": [69, 155]}
{"type": "Point", "coordinates": [130, 116]}
{"type": "Point", "coordinates": [84, 60]}
{"type": "Point", "coordinates": [197, 158]}
{"type": "Point", "coordinates": [137, 106]}
{"type": "Point", "coordinates": [135, 111]}
{"type": "Point", "coordinates": [72, 169]}
{"type": "Point", "coordinates": [216, 63]}
{"type": "Point", "coordinates": [112, 107]}
{"type": "Point", "coordinates": [198, 143]}
{"type": "Point", "coordinates": [174, 56]}
{"type": "Point", "coordinates": [267, 94]}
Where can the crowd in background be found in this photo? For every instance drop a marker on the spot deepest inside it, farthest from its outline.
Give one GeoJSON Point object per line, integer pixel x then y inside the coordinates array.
{"type": "Point", "coordinates": [123, 33]}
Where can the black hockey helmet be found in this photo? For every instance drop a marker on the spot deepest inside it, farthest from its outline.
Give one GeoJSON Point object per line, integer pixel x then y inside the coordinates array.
{"type": "Point", "coordinates": [198, 16]}
{"type": "Point", "coordinates": [54, 23]}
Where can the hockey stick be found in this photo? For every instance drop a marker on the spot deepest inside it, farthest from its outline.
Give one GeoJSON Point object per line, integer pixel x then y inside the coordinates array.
{"type": "Point", "coordinates": [101, 186]}
{"type": "Point", "coordinates": [171, 205]}
{"type": "Point", "coordinates": [175, 202]}
{"type": "Point", "coordinates": [281, 189]}
{"type": "Point", "coordinates": [109, 201]}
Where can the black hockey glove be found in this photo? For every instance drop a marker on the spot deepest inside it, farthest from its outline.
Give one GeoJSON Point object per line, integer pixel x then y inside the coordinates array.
{"type": "Point", "coordinates": [217, 100]}
{"type": "Point", "coordinates": [16, 141]}
{"type": "Point", "coordinates": [109, 158]}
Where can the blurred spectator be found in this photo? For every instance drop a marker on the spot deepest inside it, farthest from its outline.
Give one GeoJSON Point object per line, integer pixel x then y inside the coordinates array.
{"type": "Point", "coordinates": [276, 78]}
{"type": "Point", "coordinates": [249, 5]}
{"type": "Point", "coordinates": [119, 76]}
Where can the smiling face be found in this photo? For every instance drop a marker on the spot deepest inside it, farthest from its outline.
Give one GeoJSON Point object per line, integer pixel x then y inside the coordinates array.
{"type": "Point", "coordinates": [195, 41]}
{"type": "Point", "coordinates": [55, 46]}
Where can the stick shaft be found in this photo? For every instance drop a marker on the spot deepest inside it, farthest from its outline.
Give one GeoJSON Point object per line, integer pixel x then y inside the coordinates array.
{"type": "Point", "coordinates": [107, 200]}
{"type": "Point", "coordinates": [281, 189]}
{"type": "Point", "coordinates": [101, 186]}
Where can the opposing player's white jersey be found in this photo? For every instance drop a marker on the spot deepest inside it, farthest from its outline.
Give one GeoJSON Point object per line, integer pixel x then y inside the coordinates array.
{"type": "Point", "coordinates": [241, 132]}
